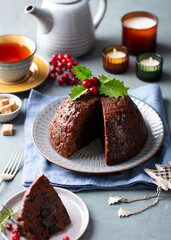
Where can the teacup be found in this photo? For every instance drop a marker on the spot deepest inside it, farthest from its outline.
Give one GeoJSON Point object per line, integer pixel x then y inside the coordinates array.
{"type": "Point", "coordinates": [16, 56]}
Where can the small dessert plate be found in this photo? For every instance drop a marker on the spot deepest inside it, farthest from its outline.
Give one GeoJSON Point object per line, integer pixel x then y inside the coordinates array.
{"type": "Point", "coordinates": [76, 209]}
{"type": "Point", "coordinates": [10, 116]}
{"type": "Point", "coordinates": [37, 74]}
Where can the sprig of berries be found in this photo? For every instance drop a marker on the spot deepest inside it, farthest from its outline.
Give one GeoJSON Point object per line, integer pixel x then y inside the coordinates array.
{"type": "Point", "coordinates": [62, 67]}
{"type": "Point", "coordinates": [103, 85]}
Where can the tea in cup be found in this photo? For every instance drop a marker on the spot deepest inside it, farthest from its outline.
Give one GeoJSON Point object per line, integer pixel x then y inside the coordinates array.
{"type": "Point", "coordinates": [16, 56]}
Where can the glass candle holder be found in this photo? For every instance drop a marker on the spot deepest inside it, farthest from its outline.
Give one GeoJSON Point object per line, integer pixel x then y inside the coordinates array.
{"type": "Point", "coordinates": [139, 30]}
{"type": "Point", "coordinates": [115, 59]}
{"type": "Point", "coordinates": [149, 67]}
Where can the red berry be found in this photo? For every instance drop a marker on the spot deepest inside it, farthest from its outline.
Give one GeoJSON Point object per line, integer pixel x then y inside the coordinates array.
{"type": "Point", "coordinates": [67, 55]}
{"type": "Point", "coordinates": [94, 81]}
{"type": "Point", "coordinates": [74, 80]}
{"type": "Point", "coordinates": [69, 60]}
{"type": "Point", "coordinates": [59, 71]}
{"type": "Point", "coordinates": [54, 63]}
{"type": "Point", "coordinates": [87, 83]}
{"type": "Point", "coordinates": [60, 65]}
{"type": "Point", "coordinates": [15, 236]}
{"type": "Point", "coordinates": [69, 65]}
{"type": "Point", "coordinates": [9, 226]}
{"type": "Point", "coordinates": [60, 57]}
{"type": "Point", "coordinates": [65, 76]}
{"type": "Point", "coordinates": [52, 76]}
{"type": "Point", "coordinates": [51, 61]}
{"type": "Point", "coordinates": [93, 90]}
{"type": "Point", "coordinates": [54, 56]}
{"type": "Point", "coordinates": [68, 81]}
{"type": "Point", "coordinates": [61, 81]}
{"type": "Point", "coordinates": [15, 231]}
{"type": "Point", "coordinates": [75, 63]}
{"type": "Point", "coordinates": [66, 238]}
{"type": "Point", "coordinates": [72, 71]}
{"type": "Point", "coordinates": [64, 61]}
{"type": "Point", "coordinates": [53, 69]}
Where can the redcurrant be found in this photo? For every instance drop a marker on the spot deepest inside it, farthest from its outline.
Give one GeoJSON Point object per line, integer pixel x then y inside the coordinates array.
{"type": "Point", "coordinates": [59, 71]}
{"type": "Point", "coordinates": [54, 63]}
{"type": "Point", "coordinates": [60, 57]}
{"type": "Point", "coordinates": [75, 63]}
{"type": "Point", "coordinates": [52, 76]}
{"type": "Point", "coordinates": [74, 80]}
{"type": "Point", "coordinates": [9, 226]}
{"type": "Point", "coordinates": [93, 90]}
{"type": "Point", "coordinates": [61, 81]}
{"type": "Point", "coordinates": [64, 61]}
{"type": "Point", "coordinates": [51, 61]}
{"type": "Point", "coordinates": [66, 238]}
{"type": "Point", "coordinates": [15, 231]}
{"type": "Point", "coordinates": [69, 65]}
{"type": "Point", "coordinates": [60, 65]}
{"type": "Point", "coordinates": [87, 83]}
{"type": "Point", "coordinates": [15, 236]}
{"type": "Point", "coordinates": [53, 69]}
{"type": "Point", "coordinates": [67, 55]}
{"type": "Point", "coordinates": [72, 71]}
{"type": "Point", "coordinates": [54, 56]}
{"type": "Point", "coordinates": [65, 76]}
{"type": "Point", "coordinates": [94, 81]}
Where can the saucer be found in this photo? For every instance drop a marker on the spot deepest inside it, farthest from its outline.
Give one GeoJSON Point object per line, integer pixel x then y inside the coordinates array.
{"type": "Point", "coordinates": [36, 75]}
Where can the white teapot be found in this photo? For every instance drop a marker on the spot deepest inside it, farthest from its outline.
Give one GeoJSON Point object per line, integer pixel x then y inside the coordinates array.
{"type": "Point", "coordinates": [66, 26]}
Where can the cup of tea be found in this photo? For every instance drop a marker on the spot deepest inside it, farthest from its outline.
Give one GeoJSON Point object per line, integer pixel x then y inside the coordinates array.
{"type": "Point", "coordinates": [16, 56]}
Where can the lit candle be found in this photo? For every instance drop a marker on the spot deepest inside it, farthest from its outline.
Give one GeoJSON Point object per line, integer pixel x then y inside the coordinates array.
{"type": "Point", "coordinates": [139, 30]}
{"type": "Point", "coordinates": [115, 59]}
{"type": "Point", "coordinates": [150, 62]}
{"type": "Point", "coordinates": [116, 54]}
{"type": "Point", "coordinates": [149, 67]}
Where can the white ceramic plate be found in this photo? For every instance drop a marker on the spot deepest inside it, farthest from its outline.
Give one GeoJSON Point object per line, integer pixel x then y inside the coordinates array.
{"type": "Point", "coordinates": [76, 209]}
{"type": "Point", "coordinates": [90, 159]}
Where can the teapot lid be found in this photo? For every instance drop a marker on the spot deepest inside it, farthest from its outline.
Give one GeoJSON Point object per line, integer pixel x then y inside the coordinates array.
{"type": "Point", "coordinates": [65, 1]}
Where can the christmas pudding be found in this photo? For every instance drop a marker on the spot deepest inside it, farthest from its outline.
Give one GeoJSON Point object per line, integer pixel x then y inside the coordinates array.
{"type": "Point", "coordinates": [115, 119]}
{"type": "Point", "coordinates": [41, 212]}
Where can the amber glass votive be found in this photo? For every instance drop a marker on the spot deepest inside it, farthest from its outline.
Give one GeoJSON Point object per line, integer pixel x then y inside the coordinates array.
{"type": "Point", "coordinates": [149, 66]}
{"type": "Point", "coordinates": [139, 31]}
{"type": "Point", "coordinates": [115, 59]}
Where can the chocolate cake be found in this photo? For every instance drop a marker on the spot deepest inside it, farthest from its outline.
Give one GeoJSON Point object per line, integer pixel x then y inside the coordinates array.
{"type": "Point", "coordinates": [117, 121]}
{"type": "Point", "coordinates": [41, 212]}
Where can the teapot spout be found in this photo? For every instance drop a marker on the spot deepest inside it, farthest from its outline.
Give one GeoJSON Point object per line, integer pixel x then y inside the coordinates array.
{"type": "Point", "coordinates": [44, 17]}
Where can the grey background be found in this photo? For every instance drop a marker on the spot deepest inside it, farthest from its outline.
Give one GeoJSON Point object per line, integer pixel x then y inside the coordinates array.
{"type": "Point", "coordinates": [104, 223]}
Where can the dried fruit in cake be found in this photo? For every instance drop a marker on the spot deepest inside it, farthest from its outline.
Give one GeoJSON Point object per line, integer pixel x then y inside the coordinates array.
{"type": "Point", "coordinates": [41, 212]}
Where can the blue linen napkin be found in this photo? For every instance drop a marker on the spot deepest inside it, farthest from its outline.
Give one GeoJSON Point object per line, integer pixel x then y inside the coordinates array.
{"type": "Point", "coordinates": [35, 164]}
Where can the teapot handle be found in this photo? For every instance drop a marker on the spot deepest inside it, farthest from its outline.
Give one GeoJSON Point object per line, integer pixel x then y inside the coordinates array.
{"type": "Point", "coordinates": [100, 13]}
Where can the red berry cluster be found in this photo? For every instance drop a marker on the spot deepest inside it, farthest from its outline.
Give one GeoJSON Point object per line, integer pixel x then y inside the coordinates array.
{"type": "Point", "coordinates": [91, 84]}
{"type": "Point", "coordinates": [15, 235]}
{"type": "Point", "coordinates": [62, 67]}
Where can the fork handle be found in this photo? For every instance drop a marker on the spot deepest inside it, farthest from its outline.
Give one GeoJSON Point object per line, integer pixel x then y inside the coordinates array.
{"type": "Point", "coordinates": [1, 180]}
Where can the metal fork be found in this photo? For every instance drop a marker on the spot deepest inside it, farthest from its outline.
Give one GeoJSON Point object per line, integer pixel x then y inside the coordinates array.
{"type": "Point", "coordinates": [12, 166]}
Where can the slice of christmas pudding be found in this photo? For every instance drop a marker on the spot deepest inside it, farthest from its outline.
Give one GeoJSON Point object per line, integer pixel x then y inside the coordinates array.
{"type": "Point", "coordinates": [41, 212]}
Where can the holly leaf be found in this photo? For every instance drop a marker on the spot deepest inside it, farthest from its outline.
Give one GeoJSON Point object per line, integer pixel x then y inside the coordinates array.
{"type": "Point", "coordinates": [103, 79]}
{"type": "Point", "coordinates": [77, 91]}
{"type": "Point", "coordinates": [112, 87]}
{"type": "Point", "coordinates": [82, 72]}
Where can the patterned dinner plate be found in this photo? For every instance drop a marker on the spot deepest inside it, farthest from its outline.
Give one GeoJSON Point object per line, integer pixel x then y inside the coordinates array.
{"type": "Point", "coordinates": [90, 159]}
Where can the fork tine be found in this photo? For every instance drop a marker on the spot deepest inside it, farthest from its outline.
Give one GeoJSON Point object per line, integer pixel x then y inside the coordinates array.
{"type": "Point", "coordinates": [14, 162]}
{"type": "Point", "coordinates": [6, 167]}
{"type": "Point", "coordinates": [19, 161]}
